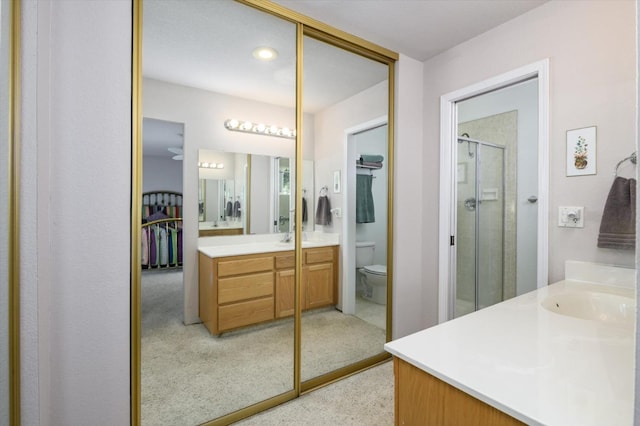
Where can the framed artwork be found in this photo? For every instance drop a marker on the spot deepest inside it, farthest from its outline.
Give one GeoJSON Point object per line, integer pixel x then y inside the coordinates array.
{"type": "Point", "coordinates": [336, 182]}
{"type": "Point", "coordinates": [581, 151]}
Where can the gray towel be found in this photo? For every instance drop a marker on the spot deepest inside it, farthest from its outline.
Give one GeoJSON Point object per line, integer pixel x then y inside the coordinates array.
{"type": "Point", "coordinates": [323, 212]}
{"type": "Point", "coordinates": [365, 212]}
{"type": "Point", "coordinates": [371, 158]}
{"type": "Point", "coordinates": [304, 210]}
{"type": "Point", "coordinates": [618, 225]}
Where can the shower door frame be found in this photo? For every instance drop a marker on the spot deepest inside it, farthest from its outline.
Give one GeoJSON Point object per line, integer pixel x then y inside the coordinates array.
{"type": "Point", "coordinates": [478, 179]}
{"type": "Point", "coordinates": [448, 158]}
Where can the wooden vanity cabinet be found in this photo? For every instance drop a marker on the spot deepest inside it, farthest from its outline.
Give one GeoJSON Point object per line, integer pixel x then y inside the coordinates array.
{"type": "Point", "coordinates": [237, 291]}
{"type": "Point", "coordinates": [422, 399]}
{"type": "Point", "coordinates": [319, 281]}
{"type": "Point", "coordinates": [285, 284]}
{"type": "Point", "coordinates": [215, 232]}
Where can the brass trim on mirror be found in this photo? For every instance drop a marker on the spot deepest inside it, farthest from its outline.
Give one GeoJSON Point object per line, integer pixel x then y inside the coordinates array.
{"type": "Point", "coordinates": [319, 31]}
{"type": "Point", "coordinates": [390, 197]}
{"type": "Point", "coordinates": [346, 371]}
{"type": "Point", "coordinates": [248, 200]}
{"type": "Point", "coordinates": [297, 324]}
{"type": "Point", "coordinates": [136, 210]}
{"type": "Point", "coordinates": [14, 213]}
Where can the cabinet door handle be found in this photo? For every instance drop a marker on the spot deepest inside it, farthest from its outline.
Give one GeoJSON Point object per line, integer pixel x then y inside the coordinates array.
{"type": "Point", "coordinates": [533, 199]}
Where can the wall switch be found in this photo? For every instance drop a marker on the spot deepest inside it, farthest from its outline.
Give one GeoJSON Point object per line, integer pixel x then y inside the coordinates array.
{"type": "Point", "coordinates": [571, 217]}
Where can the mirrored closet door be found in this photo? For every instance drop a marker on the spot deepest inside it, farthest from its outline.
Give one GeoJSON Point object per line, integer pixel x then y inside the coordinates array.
{"type": "Point", "coordinates": [346, 104]}
{"type": "Point", "coordinates": [285, 278]}
{"type": "Point", "coordinates": [203, 67]}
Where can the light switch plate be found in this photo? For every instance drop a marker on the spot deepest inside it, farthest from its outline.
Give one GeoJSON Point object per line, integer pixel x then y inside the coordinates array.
{"type": "Point", "coordinates": [571, 217]}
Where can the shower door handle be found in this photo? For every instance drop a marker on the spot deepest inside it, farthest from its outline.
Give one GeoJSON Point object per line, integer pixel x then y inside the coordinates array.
{"type": "Point", "coordinates": [470, 204]}
{"type": "Point", "coordinates": [533, 199]}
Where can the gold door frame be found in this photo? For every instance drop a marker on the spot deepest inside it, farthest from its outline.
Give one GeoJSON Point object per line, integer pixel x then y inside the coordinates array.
{"type": "Point", "coordinates": [322, 32]}
{"type": "Point", "coordinates": [14, 210]}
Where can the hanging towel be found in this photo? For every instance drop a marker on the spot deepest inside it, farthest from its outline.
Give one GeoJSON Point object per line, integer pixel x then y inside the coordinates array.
{"type": "Point", "coordinates": [365, 212]}
{"type": "Point", "coordinates": [304, 210]}
{"type": "Point", "coordinates": [371, 158]}
{"type": "Point", "coordinates": [229, 209]}
{"type": "Point", "coordinates": [376, 165]}
{"type": "Point", "coordinates": [323, 213]}
{"type": "Point", "coordinates": [618, 225]}
{"type": "Point", "coordinates": [236, 209]}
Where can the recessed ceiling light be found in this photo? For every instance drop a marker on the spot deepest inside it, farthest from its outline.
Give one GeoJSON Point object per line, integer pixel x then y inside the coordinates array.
{"type": "Point", "coordinates": [265, 53]}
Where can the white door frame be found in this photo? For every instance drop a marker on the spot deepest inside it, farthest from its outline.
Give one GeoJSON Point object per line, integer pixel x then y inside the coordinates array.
{"type": "Point", "coordinates": [347, 301]}
{"type": "Point", "coordinates": [448, 133]}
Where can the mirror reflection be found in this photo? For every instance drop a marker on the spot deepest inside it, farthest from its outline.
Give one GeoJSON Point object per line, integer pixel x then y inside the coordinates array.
{"type": "Point", "coordinates": [350, 129]}
{"type": "Point", "coordinates": [199, 360]}
{"type": "Point", "coordinates": [221, 328]}
{"type": "Point", "coordinates": [222, 193]}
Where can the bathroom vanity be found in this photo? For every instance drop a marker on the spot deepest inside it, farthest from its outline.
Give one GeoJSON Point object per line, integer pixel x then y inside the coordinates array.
{"type": "Point", "coordinates": [207, 229]}
{"type": "Point", "coordinates": [248, 284]}
{"type": "Point", "coordinates": [561, 355]}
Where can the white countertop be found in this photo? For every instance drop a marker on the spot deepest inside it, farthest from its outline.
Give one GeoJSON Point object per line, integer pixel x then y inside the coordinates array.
{"type": "Point", "coordinates": [251, 244]}
{"type": "Point", "coordinates": [535, 365]}
{"type": "Point", "coordinates": [206, 226]}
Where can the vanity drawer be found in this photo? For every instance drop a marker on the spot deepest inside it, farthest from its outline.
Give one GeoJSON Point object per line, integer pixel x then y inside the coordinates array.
{"type": "Point", "coordinates": [245, 287]}
{"type": "Point", "coordinates": [245, 313]}
{"type": "Point", "coordinates": [245, 266]}
{"type": "Point", "coordinates": [284, 261]}
{"type": "Point", "coordinates": [321, 255]}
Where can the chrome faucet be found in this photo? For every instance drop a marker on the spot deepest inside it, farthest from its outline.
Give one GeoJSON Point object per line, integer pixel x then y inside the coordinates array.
{"type": "Point", "coordinates": [288, 236]}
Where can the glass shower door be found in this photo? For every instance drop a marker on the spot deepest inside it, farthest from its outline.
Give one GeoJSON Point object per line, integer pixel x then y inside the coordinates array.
{"type": "Point", "coordinates": [480, 226]}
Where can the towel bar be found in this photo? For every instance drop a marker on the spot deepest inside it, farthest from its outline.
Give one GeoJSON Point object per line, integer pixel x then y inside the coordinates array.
{"type": "Point", "coordinates": [633, 158]}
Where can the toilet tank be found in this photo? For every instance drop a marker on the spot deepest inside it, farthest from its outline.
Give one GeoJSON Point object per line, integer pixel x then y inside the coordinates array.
{"type": "Point", "coordinates": [364, 253]}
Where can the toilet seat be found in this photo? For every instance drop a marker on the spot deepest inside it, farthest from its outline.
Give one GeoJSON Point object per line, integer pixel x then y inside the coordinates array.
{"type": "Point", "coordinates": [376, 269]}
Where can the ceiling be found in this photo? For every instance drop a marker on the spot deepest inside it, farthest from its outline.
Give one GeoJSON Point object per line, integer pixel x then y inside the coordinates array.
{"type": "Point", "coordinates": [420, 29]}
{"type": "Point", "coordinates": [208, 45]}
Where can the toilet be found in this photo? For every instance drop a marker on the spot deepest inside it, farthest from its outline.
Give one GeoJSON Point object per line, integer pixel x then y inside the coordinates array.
{"type": "Point", "coordinates": [373, 277]}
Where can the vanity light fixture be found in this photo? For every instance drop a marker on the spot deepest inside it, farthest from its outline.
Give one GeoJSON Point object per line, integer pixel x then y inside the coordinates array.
{"type": "Point", "coordinates": [205, 165]}
{"type": "Point", "coordinates": [259, 128]}
{"type": "Point", "coordinates": [264, 53]}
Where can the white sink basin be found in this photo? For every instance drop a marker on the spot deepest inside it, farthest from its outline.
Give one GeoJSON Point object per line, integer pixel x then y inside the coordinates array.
{"type": "Point", "coordinates": [609, 308]}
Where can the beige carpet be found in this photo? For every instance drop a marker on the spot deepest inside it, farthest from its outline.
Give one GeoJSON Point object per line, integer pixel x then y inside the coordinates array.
{"type": "Point", "coordinates": [189, 376]}
{"type": "Point", "coordinates": [364, 399]}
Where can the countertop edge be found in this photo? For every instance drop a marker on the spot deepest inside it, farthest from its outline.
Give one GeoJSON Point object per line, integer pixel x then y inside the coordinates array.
{"type": "Point", "coordinates": [470, 391]}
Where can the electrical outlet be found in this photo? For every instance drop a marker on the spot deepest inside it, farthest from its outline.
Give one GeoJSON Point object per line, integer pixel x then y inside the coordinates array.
{"type": "Point", "coordinates": [571, 217]}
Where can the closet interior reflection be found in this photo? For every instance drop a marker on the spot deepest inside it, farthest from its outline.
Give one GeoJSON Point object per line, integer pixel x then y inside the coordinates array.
{"type": "Point", "coordinates": [270, 301]}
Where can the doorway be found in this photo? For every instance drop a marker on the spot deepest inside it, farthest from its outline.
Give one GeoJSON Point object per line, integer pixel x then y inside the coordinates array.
{"type": "Point", "coordinates": [493, 209]}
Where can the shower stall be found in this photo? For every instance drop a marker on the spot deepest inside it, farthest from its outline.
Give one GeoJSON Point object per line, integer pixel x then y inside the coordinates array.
{"type": "Point", "coordinates": [480, 218]}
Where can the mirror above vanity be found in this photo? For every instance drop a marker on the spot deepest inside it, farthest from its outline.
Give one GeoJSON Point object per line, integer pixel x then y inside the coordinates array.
{"type": "Point", "coordinates": [241, 194]}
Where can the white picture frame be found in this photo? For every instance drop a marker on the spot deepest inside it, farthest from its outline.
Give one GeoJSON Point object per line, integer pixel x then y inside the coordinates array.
{"type": "Point", "coordinates": [582, 151]}
{"type": "Point", "coordinates": [336, 182]}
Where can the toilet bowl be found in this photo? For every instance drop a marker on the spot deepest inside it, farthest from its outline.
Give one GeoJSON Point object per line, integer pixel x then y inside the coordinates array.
{"type": "Point", "coordinates": [375, 283]}
{"type": "Point", "coordinates": [372, 278]}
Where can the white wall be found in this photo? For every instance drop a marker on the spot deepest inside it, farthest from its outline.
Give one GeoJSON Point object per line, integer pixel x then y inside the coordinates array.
{"type": "Point", "coordinates": [592, 82]}
{"type": "Point", "coordinates": [75, 306]}
{"type": "Point", "coordinates": [161, 174]}
{"type": "Point", "coordinates": [261, 201]}
{"type": "Point", "coordinates": [410, 179]}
